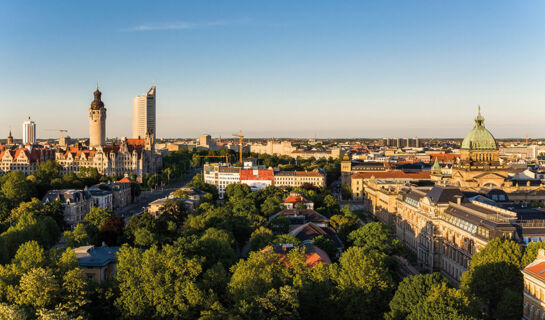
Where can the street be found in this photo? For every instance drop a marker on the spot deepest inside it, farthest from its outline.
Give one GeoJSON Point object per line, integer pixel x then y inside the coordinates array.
{"type": "Point", "coordinates": [149, 196]}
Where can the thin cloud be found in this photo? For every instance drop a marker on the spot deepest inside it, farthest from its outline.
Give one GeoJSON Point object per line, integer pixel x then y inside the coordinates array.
{"type": "Point", "coordinates": [185, 25]}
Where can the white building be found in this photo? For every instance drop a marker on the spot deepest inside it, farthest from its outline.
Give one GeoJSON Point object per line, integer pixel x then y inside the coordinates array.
{"type": "Point", "coordinates": [101, 198]}
{"type": "Point", "coordinates": [221, 176]}
{"type": "Point", "coordinates": [143, 114]}
{"type": "Point", "coordinates": [29, 132]}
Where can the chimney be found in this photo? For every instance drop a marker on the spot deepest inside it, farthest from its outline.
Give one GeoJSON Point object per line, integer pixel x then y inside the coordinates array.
{"type": "Point", "coordinates": [458, 199]}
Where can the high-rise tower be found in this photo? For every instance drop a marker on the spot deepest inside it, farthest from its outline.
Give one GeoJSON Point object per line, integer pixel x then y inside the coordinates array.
{"type": "Point", "coordinates": [143, 114]}
{"type": "Point", "coordinates": [97, 121]}
{"type": "Point", "coordinates": [29, 132]}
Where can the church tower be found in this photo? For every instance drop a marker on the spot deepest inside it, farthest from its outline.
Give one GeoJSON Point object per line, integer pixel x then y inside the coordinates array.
{"type": "Point", "coordinates": [10, 139]}
{"type": "Point", "coordinates": [97, 121]}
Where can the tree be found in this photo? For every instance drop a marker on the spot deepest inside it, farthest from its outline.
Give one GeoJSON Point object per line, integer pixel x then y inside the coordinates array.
{"type": "Point", "coordinates": [270, 206]}
{"type": "Point", "coordinates": [280, 225]}
{"type": "Point", "coordinates": [175, 208]}
{"type": "Point", "coordinates": [326, 245]}
{"type": "Point", "coordinates": [492, 270]}
{"type": "Point", "coordinates": [444, 303]}
{"type": "Point", "coordinates": [29, 255]}
{"type": "Point", "coordinates": [530, 252]}
{"type": "Point", "coordinates": [39, 288]}
{"type": "Point", "coordinates": [255, 276]}
{"type": "Point", "coordinates": [237, 191]}
{"type": "Point", "coordinates": [375, 236]}
{"type": "Point", "coordinates": [158, 284]}
{"type": "Point", "coordinates": [281, 304]}
{"type": "Point", "coordinates": [260, 238]}
{"type": "Point", "coordinates": [111, 230]}
{"type": "Point", "coordinates": [286, 239]}
{"type": "Point", "coordinates": [75, 293]}
{"type": "Point", "coordinates": [77, 237]}
{"type": "Point", "coordinates": [363, 283]}
{"type": "Point", "coordinates": [16, 187]}
{"type": "Point", "coordinates": [410, 292]}
{"type": "Point", "coordinates": [97, 217]}
{"type": "Point", "coordinates": [344, 224]}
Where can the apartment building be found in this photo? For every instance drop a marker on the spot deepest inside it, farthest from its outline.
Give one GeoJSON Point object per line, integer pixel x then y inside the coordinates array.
{"type": "Point", "coordinates": [221, 176]}
{"type": "Point", "coordinates": [299, 178]}
{"type": "Point", "coordinates": [77, 203]}
{"type": "Point", "coordinates": [444, 225]}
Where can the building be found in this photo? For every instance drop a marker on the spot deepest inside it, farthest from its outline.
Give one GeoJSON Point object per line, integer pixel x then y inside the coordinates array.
{"type": "Point", "coordinates": [295, 198]}
{"type": "Point", "coordinates": [136, 156]}
{"type": "Point", "coordinates": [97, 121]}
{"type": "Point", "coordinates": [257, 179]}
{"type": "Point", "coordinates": [77, 203]}
{"type": "Point", "coordinates": [300, 178]}
{"type": "Point", "coordinates": [534, 288]}
{"type": "Point", "coordinates": [358, 179]}
{"type": "Point", "coordinates": [221, 176]}
{"type": "Point", "coordinates": [121, 193]}
{"type": "Point", "coordinates": [144, 114]}
{"type": "Point", "coordinates": [205, 140]}
{"type": "Point", "coordinates": [444, 225]}
{"type": "Point", "coordinates": [313, 254]}
{"type": "Point", "coordinates": [29, 132]}
{"type": "Point", "coordinates": [283, 148]}
{"type": "Point", "coordinates": [350, 167]}
{"type": "Point", "coordinates": [98, 263]}
{"type": "Point", "coordinates": [479, 163]}
{"type": "Point", "coordinates": [101, 198]}
{"type": "Point", "coordinates": [299, 217]}
{"type": "Point", "coordinates": [25, 159]}
{"type": "Point", "coordinates": [9, 140]}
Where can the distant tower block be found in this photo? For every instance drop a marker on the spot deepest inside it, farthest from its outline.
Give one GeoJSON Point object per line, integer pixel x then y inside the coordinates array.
{"type": "Point", "coordinates": [97, 121]}
{"type": "Point", "coordinates": [143, 114]}
{"type": "Point", "coordinates": [29, 132]}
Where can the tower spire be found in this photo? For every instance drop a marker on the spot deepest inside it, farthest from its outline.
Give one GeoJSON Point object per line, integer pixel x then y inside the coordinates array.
{"type": "Point", "coordinates": [479, 120]}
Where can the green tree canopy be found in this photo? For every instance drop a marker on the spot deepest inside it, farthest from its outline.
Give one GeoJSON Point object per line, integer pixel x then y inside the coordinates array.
{"type": "Point", "coordinates": [492, 270]}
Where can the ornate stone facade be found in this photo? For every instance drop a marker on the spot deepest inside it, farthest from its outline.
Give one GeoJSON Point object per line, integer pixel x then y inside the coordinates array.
{"type": "Point", "coordinates": [135, 156]}
{"type": "Point", "coordinates": [479, 163]}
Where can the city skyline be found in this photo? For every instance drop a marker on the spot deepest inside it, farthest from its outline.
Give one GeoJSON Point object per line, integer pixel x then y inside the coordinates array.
{"type": "Point", "coordinates": [327, 70]}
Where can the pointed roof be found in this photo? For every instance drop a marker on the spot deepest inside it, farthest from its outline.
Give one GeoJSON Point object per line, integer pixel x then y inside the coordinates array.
{"type": "Point", "coordinates": [97, 103]}
{"type": "Point", "coordinates": [436, 167]}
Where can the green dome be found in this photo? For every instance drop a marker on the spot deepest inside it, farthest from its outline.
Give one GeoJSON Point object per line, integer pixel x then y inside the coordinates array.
{"type": "Point", "coordinates": [479, 138]}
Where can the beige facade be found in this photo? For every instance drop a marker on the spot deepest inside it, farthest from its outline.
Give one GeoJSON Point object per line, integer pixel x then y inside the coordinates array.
{"type": "Point", "coordinates": [25, 160]}
{"type": "Point", "coordinates": [131, 156]}
{"type": "Point", "coordinates": [299, 178]}
{"type": "Point", "coordinates": [144, 114]}
{"type": "Point", "coordinates": [534, 289]}
{"type": "Point", "coordinates": [283, 148]}
{"type": "Point", "coordinates": [437, 225]}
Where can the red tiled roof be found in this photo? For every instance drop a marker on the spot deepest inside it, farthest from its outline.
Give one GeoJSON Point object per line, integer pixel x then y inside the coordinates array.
{"type": "Point", "coordinates": [392, 175]}
{"type": "Point", "coordinates": [537, 270]}
{"type": "Point", "coordinates": [125, 180]}
{"type": "Point", "coordinates": [444, 157]}
{"type": "Point", "coordinates": [136, 142]}
{"type": "Point", "coordinates": [295, 199]}
{"type": "Point", "coordinates": [308, 174]}
{"type": "Point", "coordinates": [261, 174]}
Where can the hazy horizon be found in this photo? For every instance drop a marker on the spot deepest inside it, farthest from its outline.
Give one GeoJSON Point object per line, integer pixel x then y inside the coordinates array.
{"type": "Point", "coordinates": [277, 69]}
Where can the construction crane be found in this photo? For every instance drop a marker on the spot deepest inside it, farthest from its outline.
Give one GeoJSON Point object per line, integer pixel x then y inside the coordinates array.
{"type": "Point", "coordinates": [527, 135]}
{"type": "Point", "coordinates": [240, 136]}
{"type": "Point", "coordinates": [61, 131]}
{"type": "Point", "coordinates": [225, 156]}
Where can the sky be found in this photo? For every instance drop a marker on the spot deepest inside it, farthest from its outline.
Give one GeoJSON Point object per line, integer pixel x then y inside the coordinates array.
{"type": "Point", "coordinates": [276, 68]}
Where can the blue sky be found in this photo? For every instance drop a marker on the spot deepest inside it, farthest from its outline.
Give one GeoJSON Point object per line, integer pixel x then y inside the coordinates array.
{"type": "Point", "coordinates": [277, 68]}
